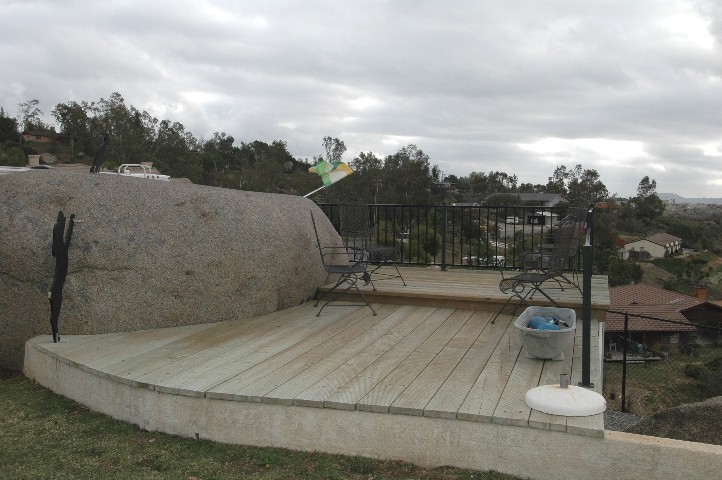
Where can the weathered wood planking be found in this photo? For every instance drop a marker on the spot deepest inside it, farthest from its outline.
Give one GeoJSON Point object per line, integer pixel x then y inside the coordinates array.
{"type": "Point", "coordinates": [305, 379]}
{"type": "Point", "coordinates": [321, 390]}
{"type": "Point", "coordinates": [273, 371]}
{"type": "Point", "coordinates": [348, 395]}
{"type": "Point", "coordinates": [423, 388]}
{"type": "Point", "coordinates": [234, 355]}
{"type": "Point", "coordinates": [450, 396]}
{"type": "Point", "coordinates": [141, 364]}
{"type": "Point", "coordinates": [484, 396]}
{"type": "Point", "coordinates": [383, 394]}
{"type": "Point", "coordinates": [437, 359]}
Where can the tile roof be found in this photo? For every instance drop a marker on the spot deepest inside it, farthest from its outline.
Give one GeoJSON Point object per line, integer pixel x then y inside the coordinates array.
{"type": "Point", "coordinates": [651, 301]}
{"type": "Point", "coordinates": [643, 294]}
{"type": "Point", "coordinates": [615, 321]}
{"type": "Point", "coordinates": [663, 239]}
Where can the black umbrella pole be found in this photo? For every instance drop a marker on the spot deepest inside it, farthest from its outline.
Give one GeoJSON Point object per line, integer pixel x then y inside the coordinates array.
{"type": "Point", "coordinates": [587, 317]}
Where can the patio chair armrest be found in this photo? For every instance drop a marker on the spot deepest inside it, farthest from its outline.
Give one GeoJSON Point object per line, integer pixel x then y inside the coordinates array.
{"type": "Point", "coordinates": [353, 255]}
{"type": "Point", "coordinates": [358, 254]}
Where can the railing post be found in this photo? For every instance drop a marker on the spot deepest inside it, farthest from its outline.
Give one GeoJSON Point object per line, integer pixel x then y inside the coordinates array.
{"type": "Point", "coordinates": [443, 238]}
{"type": "Point", "coordinates": [624, 362]}
{"type": "Point", "coordinates": [587, 303]}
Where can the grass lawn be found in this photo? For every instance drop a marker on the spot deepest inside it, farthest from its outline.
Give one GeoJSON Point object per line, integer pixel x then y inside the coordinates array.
{"type": "Point", "coordinates": [44, 435]}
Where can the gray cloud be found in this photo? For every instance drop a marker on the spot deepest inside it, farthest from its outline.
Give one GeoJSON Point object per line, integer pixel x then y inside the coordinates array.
{"type": "Point", "coordinates": [627, 89]}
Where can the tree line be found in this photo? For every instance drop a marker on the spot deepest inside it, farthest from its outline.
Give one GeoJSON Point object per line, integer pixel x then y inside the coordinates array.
{"type": "Point", "coordinates": [405, 177]}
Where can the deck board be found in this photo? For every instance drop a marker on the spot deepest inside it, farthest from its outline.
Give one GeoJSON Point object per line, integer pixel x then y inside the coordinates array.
{"type": "Point", "coordinates": [272, 372]}
{"type": "Point", "coordinates": [381, 396]}
{"type": "Point", "coordinates": [484, 396]}
{"type": "Point", "coordinates": [435, 354]}
{"type": "Point", "coordinates": [448, 399]}
{"type": "Point", "coordinates": [423, 388]}
{"type": "Point", "coordinates": [317, 393]}
{"type": "Point", "coordinates": [348, 395]}
{"type": "Point", "coordinates": [303, 380]}
{"type": "Point", "coordinates": [233, 356]}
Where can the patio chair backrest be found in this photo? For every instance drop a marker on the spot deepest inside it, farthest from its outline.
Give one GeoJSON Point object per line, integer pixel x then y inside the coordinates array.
{"type": "Point", "coordinates": [355, 224]}
{"type": "Point", "coordinates": [564, 246]}
{"type": "Point", "coordinates": [318, 240]}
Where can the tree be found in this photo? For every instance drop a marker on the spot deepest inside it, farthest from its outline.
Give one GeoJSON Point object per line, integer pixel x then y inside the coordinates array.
{"type": "Point", "coordinates": [267, 167]}
{"type": "Point", "coordinates": [501, 182]}
{"type": "Point", "coordinates": [618, 271]}
{"type": "Point", "coordinates": [73, 121]}
{"type": "Point", "coordinates": [558, 181]}
{"type": "Point", "coordinates": [531, 188]}
{"type": "Point", "coordinates": [648, 206]}
{"type": "Point", "coordinates": [407, 177]}
{"type": "Point", "coordinates": [335, 149]}
{"type": "Point", "coordinates": [8, 127]}
{"type": "Point", "coordinates": [479, 184]}
{"type": "Point", "coordinates": [175, 152]}
{"type": "Point", "coordinates": [366, 180]}
{"type": "Point", "coordinates": [503, 199]}
{"type": "Point", "coordinates": [132, 132]}
{"type": "Point", "coordinates": [29, 116]}
{"type": "Point", "coordinates": [577, 183]}
{"type": "Point", "coordinates": [587, 185]}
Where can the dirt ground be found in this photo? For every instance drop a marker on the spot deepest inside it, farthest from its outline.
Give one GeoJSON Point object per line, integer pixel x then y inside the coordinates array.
{"type": "Point", "coordinates": [694, 422]}
{"type": "Point", "coordinates": [653, 275]}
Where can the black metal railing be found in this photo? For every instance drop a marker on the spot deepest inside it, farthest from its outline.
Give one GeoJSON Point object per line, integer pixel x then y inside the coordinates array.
{"type": "Point", "coordinates": [652, 364]}
{"type": "Point", "coordinates": [472, 236]}
{"type": "Point", "coordinates": [486, 237]}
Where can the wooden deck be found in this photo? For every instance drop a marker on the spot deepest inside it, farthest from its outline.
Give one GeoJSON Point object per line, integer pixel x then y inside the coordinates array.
{"type": "Point", "coordinates": [470, 289]}
{"type": "Point", "coordinates": [431, 352]}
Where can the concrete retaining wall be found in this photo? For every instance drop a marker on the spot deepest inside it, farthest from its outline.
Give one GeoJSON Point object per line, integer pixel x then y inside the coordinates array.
{"type": "Point", "coordinates": [424, 441]}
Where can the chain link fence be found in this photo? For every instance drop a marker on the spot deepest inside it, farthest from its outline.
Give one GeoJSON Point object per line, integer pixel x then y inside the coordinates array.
{"type": "Point", "coordinates": [652, 364]}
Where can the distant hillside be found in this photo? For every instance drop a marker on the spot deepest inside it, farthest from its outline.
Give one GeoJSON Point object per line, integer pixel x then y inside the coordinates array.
{"type": "Point", "coordinates": [681, 199]}
{"type": "Point", "coordinates": [653, 275]}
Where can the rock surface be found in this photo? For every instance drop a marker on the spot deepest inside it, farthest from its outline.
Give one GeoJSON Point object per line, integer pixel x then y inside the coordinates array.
{"type": "Point", "coordinates": [149, 254]}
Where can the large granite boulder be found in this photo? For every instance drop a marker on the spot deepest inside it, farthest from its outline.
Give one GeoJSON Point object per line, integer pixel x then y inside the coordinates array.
{"type": "Point", "coordinates": [147, 254]}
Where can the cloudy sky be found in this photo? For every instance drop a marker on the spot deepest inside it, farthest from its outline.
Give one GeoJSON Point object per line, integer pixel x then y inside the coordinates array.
{"type": "Point", "coordinates": [626, 88]}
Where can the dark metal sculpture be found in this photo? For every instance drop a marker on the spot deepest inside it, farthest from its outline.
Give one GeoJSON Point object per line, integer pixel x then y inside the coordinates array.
{"type": "Point", "coordinates": [60, 252]}
{"type": "Point", "coordinates": [100, 153]}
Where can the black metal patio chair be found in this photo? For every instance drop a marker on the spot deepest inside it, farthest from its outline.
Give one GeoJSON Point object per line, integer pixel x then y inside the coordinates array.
{"type": "Point", "coordinates": [355, 229]}
{"type": "Point", "coordinates": [540, 267]}
{"type": "Point", "coordinates": [582, 217]}
{"type": "Point", "coordinates": [538, 260]}
{"type": "Point", "coordinates": [348, 266]}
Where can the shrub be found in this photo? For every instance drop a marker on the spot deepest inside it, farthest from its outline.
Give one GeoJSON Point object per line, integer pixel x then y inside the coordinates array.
{"type": "Point", "coordinates": [427, 238]}
{"type": "Point", "coordinates": [695, 370]}
{"type": "Point", "coordinates": [711, 382]}
{"type": "Point", "coordinates": [384, 233]}
{"type": "Point", "coordinates": [714, 364]}
{"type": "Point", "coordinates": [12, 156]}
{"type": "Point", "coordinates": [415, 252]}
